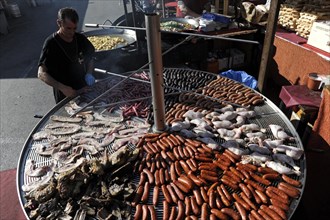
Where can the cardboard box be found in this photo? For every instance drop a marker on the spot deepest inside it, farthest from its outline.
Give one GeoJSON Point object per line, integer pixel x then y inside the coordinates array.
{"type": "Point", "coordinates": [223, 63]}
{"type": "Point", "coordinates": [320, 35]}
{"type": "Point", "coordinates": [237, 58]}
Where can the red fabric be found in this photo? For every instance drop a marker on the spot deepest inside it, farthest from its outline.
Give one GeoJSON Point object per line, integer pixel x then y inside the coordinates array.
{"type": "Point", "coordinates": [295, 62]}
{"type": "Point", "coordinates": [317, 50]}
{"type": "Point", "coordinates": [290, 36]}
{"type": "Point", "coordinates": [299, 95]}
{"type": "Point", "coordinates": [10, 208]}
{"type": "Point", "coordinates": [322, 123]}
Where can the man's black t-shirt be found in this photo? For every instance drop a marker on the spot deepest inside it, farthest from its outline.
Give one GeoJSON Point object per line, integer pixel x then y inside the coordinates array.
{"type": "Point", "coordinates": [67, 62]}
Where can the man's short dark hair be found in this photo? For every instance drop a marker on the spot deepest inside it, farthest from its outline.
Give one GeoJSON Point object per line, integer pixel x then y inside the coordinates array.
{"type": "Point", "coordinates": [68, 13]}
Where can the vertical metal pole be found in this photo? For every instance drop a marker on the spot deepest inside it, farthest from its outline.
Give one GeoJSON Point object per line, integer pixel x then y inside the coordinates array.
{"type": "Point", "coordinates": [163, 8]}
{"type": "Point", "coordinates": [126, 13]}
{"type": "Point", "coordinates": [133, 12]}
{"type": "Point", "coordinates": [156, 70]}
{"type": "Point", "coordinates": [267, 50]}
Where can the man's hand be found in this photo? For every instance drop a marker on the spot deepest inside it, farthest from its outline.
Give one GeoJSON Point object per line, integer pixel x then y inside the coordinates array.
{"type": "Point", "coordinates": [68, 91]}
{"type": "Point", "coordinates": [89, 79]}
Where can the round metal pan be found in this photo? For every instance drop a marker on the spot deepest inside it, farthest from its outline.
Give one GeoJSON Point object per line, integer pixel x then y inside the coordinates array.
{"type": "Point", "coordinates": [128, 35]}
{"type": "Point", "coordinates": [268, 113]}
{"type": "Point", "coordinates": [192, 22]}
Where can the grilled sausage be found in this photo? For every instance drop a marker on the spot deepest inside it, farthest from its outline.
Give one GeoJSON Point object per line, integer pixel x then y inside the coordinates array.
{"type": "Point", "coordinates": [173, 213]}
{"type": "Point", "coordinates": [279, 211]}
{"type": "Point", "coordinates": [173, 172]}
{"type": "Point", "coordinates": [255, 196]}
{"type": "Point", "coordinates": [138, 212]}
{"type": "Point", "coordinates": [195, 179]}
{"type": "Point", "coordinates": [231, 213]}
{"type": "Point", "coordinates": [194, 206]}
{"type": "Point", "coordinates": [225, 191]}
{"type": "Point", "coordinates": [205, 212]}
{"type": "Point", "coordinates": [241, 201]}
{"type": "Point", "coordinates": [248, 201]}
{"type": "Point", "coordinates": [152, 212]}
{"type": "Point", "coordinates": [270, 212]}
{"type": "Point", "coordinates": [166, 194]}
{"type": "Point", "coordinates": [155, 195]}
{"type": "Point", "coordinates": [181, 186]}
{"type": "Point", "coordinates": [144, 212]}
{"type": "Point", "coordinates": [177, 191]}
{"type": "Point", "coordinates": [178, 168]}
{"type": "Point", "coordinates": [204, 194]}
{"type": "Point", "coordinates": [162, 176]}
{"type": "Point", "coordinates": [181, 210]}
{"type": "Point", "coordinates": [143, 179]}
{"type": "Point", "coordinates": [151, 177]}
{"type": "Point", "coordinates": [187, 203]}
{"type": "Point", "coordinates": [256, 215]}
{"type": "Point", "coordinates": [218, 202]}
{"type": "Point", "coordinates": [219, 214]}
{"type": "Point", "coordinates": [138, 196]}
{"type": "Point", "coordinates": [279, 204]}
{"type": "Point", "coordinates": [186, 181]}
{"type": "Point", "coordinates": [260, 179]}
{"type": "Point", "coordinates": [184, 166]}
{"type": "Point", "coordinates": [272, 194]}
{"type": "Point", "coordinates": [291, 181]}
{"type": "Point", "coordinates": [212, 198]}
{"type": "Point", "coordinates": [172, 194]}
{"type": "Point", "coordinates": [145, 194]}
{"type": "Point", "coordinates": [157, 179]}
{"type": "Point", "coordinates": [166, 210]}
{"type": "Point", "coordinates": [254, 185]}
{"type": "Point", "coordinates": [264, 215]}
{"type": "Point", "coordinates": [241, 210]}
{"type": "Point", "coordinates": [271, 176]}
{"type": "Point", "coordinates": [245, 190]}
{"type": "Point", "coordinates": [290, 191]}
{"type": "Point", "coordinates": [223, 197]}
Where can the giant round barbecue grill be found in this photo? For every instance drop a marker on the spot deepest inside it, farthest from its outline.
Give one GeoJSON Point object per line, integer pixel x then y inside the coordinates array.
{"type": "Point", "coordinates": [106, 160]}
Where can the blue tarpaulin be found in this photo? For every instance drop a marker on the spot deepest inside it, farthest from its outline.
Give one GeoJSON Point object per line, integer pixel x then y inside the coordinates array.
{"type": "Point", "coordinates": [242, 77]}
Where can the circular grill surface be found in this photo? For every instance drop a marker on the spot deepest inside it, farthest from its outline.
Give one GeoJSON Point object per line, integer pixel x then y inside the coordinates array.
{"type": "Point", "coordinates": [184, 79]}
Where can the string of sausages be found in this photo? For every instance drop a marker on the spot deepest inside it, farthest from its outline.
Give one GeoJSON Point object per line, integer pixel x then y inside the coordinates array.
{"type": "Point", "coordinates": [197, 182]}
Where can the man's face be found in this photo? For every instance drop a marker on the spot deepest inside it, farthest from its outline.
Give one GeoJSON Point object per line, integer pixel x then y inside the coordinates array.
{"type": "Point", "coordinates": [67, 27]}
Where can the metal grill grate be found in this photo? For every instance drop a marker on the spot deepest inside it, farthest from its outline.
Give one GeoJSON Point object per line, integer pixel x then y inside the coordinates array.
{"type": "Point", "coordinates": [181, 79]}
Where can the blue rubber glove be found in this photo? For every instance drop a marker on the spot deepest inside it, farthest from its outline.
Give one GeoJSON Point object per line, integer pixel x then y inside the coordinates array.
{"type": "Point", "coordinates": [89, 79]}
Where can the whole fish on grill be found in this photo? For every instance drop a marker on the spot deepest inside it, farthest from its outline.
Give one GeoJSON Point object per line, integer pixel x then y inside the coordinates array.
{"type": "Point", "coordinates": [33, 171]}
{"type": "Point", "coordinates": [58, 118]}
{"type": "Point", "coordinates": [91, 141]}
{"type": "Point", "coordinates": [44, 134]}
{"type": "Point", "coordinates": [109, 118]}
{"type": "Point", "coordinates": [45, 149]}
{"type": "Point", "coordinates": [87, 134]}
{"type": "Point", "coordinates": [63, 129]}
{"type": "Point", "coordinates": [277, 166]}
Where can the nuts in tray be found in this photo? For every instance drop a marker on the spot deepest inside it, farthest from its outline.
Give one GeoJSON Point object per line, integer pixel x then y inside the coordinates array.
{"type": "Point", "coordinates": [106, 42]}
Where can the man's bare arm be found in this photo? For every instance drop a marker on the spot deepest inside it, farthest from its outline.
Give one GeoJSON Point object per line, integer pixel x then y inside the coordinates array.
{"type": "Point", "coordinates": [49, 80]}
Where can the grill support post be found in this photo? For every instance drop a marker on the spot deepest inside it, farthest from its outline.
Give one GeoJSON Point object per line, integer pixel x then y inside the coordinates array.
{"type": "Point", "coordinates": [156, 70]}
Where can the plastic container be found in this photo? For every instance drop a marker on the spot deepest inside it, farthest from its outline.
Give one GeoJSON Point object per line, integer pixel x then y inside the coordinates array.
{"type": "Point", "coordinates": [216, 17]}
{"type": "Point", "coordinates": [314, 81]}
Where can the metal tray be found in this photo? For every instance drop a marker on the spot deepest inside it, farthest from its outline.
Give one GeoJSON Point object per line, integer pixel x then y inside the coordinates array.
{"type": "Point", "coordinates": [128, 35]}
{"type": "Point", "coordinates": [268, 113]}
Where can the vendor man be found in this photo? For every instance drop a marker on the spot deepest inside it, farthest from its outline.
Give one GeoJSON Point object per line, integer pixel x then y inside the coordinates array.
{"type": "Point", "coordinates": [66, 61]}
{"type": "Point", "coordinates": [193, 8]}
